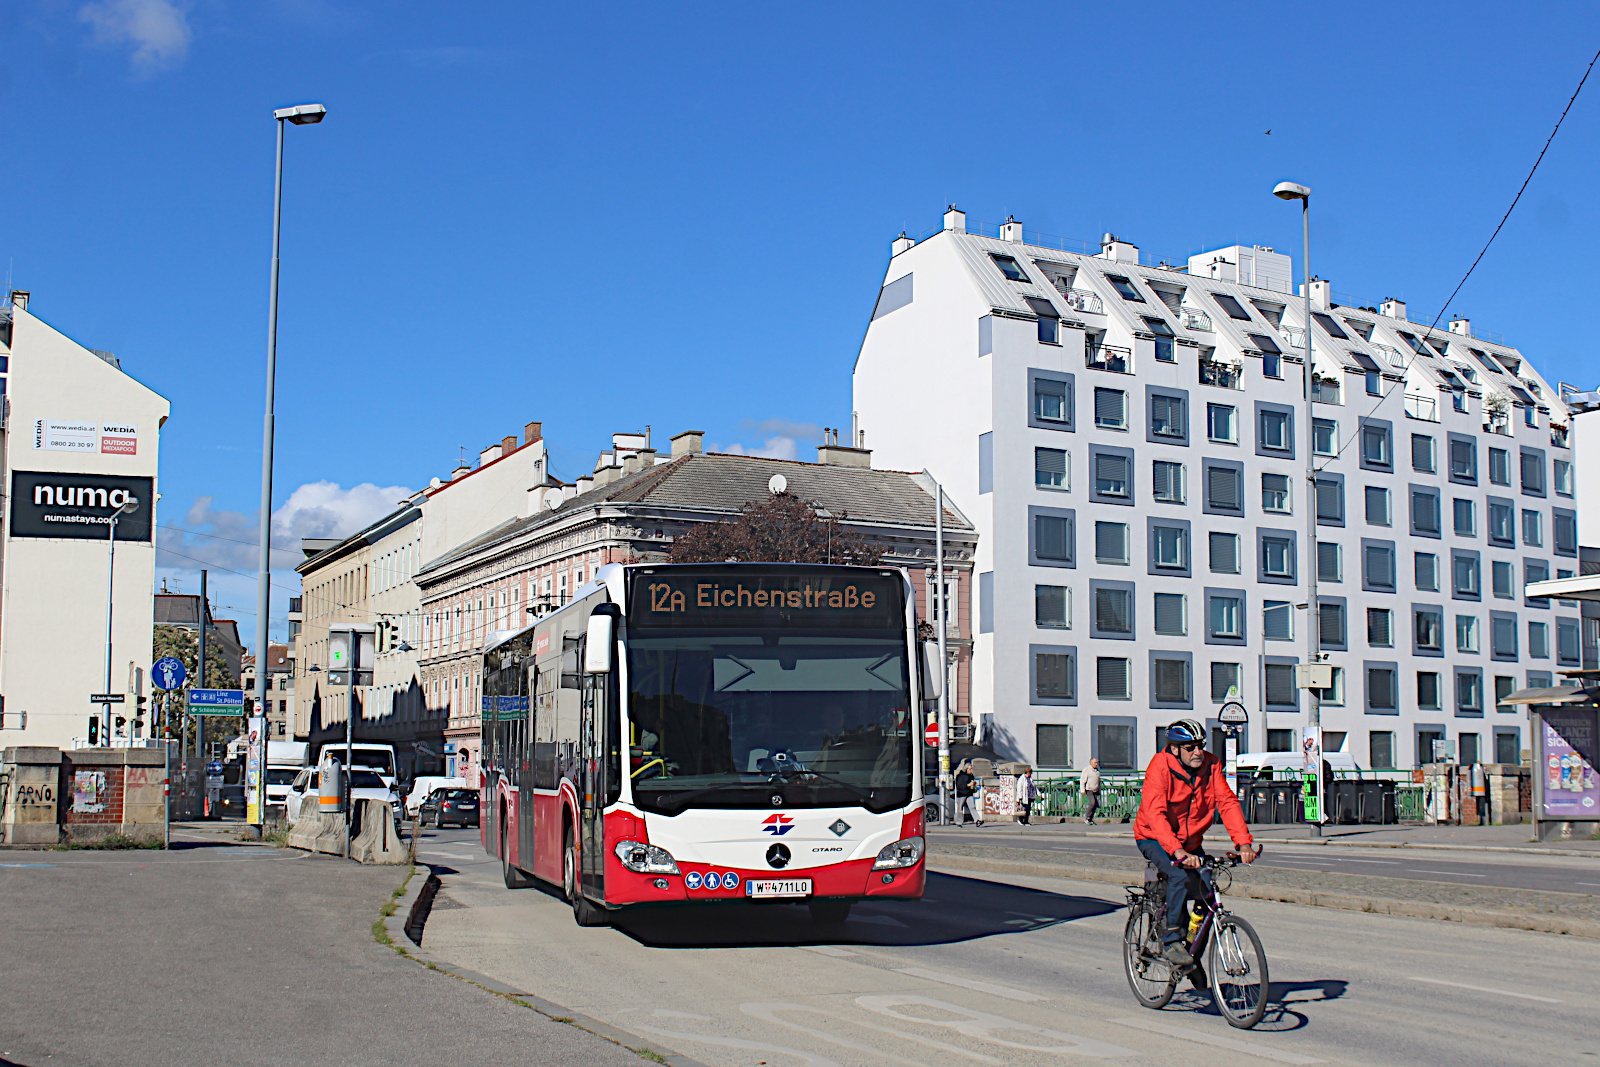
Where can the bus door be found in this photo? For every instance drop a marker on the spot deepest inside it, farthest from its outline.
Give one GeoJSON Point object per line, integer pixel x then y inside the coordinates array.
{"type": "Point", "coordinates": [591, 781]}
{"type": "Point", "coordinates": [530, 729]}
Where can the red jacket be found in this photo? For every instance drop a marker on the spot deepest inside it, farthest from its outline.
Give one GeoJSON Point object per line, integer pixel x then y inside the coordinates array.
{"type": "Point", "coordinates": [1178, 805]}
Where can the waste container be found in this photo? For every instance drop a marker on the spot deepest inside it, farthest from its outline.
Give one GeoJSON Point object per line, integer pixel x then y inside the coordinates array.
{"type": "Point", "coordinates": [1344, 800]}
{"type": "Point", "coordinates": [1376, 803]}
{"type": "Point", "coordinates": [1287, 805]}
{"type": "Point", "coordinates": [1258, 804]}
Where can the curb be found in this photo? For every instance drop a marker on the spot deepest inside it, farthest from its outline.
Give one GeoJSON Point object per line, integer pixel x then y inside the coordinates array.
{"type": "Point", "coordinates": [1406, 909]}
{"type": "Point", "coordinates": [1334, 842]}
{"type": "Point", "coordinates": [399, 923]}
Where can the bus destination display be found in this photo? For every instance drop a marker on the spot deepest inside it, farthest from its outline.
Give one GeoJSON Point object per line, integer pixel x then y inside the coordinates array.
{"type": "Point", "coordinates": [855, 600]}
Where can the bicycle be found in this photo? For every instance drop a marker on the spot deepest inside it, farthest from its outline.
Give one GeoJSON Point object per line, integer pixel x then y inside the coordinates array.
{"type": "Point", "coordinates": [1235, 961]}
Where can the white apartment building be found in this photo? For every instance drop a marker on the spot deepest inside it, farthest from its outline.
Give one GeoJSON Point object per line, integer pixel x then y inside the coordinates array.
{"type": "Point", "coordinates": [79, 438]}
{"type": "Point", "coordinates": [1130, 441]}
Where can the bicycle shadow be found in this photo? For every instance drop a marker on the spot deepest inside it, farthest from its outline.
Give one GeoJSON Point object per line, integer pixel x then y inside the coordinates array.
{"type": "Point", "coordinates": [1279, 1017]}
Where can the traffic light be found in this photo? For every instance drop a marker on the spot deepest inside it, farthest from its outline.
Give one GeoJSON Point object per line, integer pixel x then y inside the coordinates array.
{"type": "Point", "coordinates": [94, 730]}
{"type": "Point", "coordinates": [121, 723]}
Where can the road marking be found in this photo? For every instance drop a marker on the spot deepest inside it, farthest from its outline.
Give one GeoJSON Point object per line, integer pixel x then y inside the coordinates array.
{"type": "Point", "coordinates": [1347, 859]}
{"type": "Point", "coordinates": [987, 1027]}
{"type": "Point", "coordinates": [828, 950]}
{"type": "Point", "coordinates": [769, 1012]}
{"type": "Point", "coordinates": [52, 865]}
{"type": "Point", "coordinates": [754, 1046]}
{"type": "Point", "coordinates": [1232, 1043]}
{"type": "Point", "coordinates": [1453, 874]}
{"type": "Point", "coordinates": [19, 865]}
{"type": "Point", "coordinates": [1486, 989]}
{"type": "Point", "coordinates": [973, 984]}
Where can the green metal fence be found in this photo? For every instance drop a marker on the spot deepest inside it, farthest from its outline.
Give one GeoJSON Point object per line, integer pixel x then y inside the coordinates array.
{"type": "Point", "coordinates": [1408, 802]}
{"type": "Point", "coordinates": [1119, 798]}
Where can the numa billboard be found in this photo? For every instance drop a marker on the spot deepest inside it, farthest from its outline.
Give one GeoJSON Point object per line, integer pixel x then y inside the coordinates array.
{"type": "Point", "coordinates": [45, 504]}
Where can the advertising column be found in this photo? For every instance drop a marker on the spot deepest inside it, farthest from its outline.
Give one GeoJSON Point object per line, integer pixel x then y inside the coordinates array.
{"type": "Point", "coordinates": [1564, 764]}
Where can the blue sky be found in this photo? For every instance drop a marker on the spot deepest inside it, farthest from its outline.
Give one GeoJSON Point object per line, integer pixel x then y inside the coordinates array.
{"type": "Point", "coordinates": [607, 216]}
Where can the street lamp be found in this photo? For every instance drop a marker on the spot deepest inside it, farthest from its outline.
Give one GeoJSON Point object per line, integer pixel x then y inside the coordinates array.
{"type": "Point", "coordinates": [300, 115]}
{"type": "Point", "coordinates": [1296, 191]}
{"type": "Point", "coordinates": [111, 585]}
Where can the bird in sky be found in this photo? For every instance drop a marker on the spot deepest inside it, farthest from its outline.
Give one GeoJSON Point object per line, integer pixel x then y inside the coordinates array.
{"type": "Point", "coordinates": [1269, 133]}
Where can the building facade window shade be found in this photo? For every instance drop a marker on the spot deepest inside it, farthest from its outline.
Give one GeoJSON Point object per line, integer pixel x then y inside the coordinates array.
{"type": "Point", "coordinates": [1463, 461]}
{"type": "Point", "coordinates": [1566, 532]}
{"type": "Point", "coordinates": [1503, 635]}
{"type": "Point", "coordinates": [1052, 607]}
{"type": "Point", "coordinates": [1275, 493]}
{"type": "Point", "coordinates": [1111, 409]}
{"type": "Point", "coordinates": [1428, 695]}
{"type": "Point", "coordinates": [1112, 678]}
{"type": "Point", "coordinates": [1050, 400]}
{"type": "Point", "coordinates": [1532, 528]}
{"type": "Point", "coordinates": [1330, 501]}
{"type": "Point", "coordinates": [1111, 542]}
{"type": "Point", "coordinates": [1381, 689]}
{"type": "Point", "coordinates": [1466, 518]}
{"type": "Point", "coordinates": [1113, 611]}
{"type": "Point", "coordinates": [1425, 513]}
{"type": "Point", "coordinates": [1275, 432]}
{"type": "Point", "coordinates": [1280, 684]}
{"type": "Point", "coordinates": [1169, 416]}
{"type": "Point", "coordinates": [1375, 448]}
{"type": "Point", "coordinates": [1422, 453]}
{"type": "Point", "coordinates": [1380, 627]}
{"type": "Point", "coordinates": [1535, 570]}
{"type": "Point", "coordinates": [1171, 613]}
{"type": "Point", "coordinates": [1222, 489]}
{"type": "Point", "coordinates": [1052, 749]}
{"type": "Point", "coordinates": [1052, 536]}
{"type": "Point", "coordinates": [1052, 676]}
{"type": "Point", "coordinates": [1464, 575]}
{"type": "Point", "coordinates": [1429, 630]}
{"type": "Point", "coordinates": [1111, 474]}
{"type": "Point", "coordinates": [1499, 466]}
{"type": "Point", "coordinates": [1224, 553]}
{"type": "Point", "coordinates": [1378, 506]}
{"type": "Point", "coordinates": [1504, 579]}
{"type": "Point", "coordinates": [1277, 620]}
{"type": "Point", "coordinates": [1166, 479]}
{"type": "Point", "coordinates": [1538, 640]}
{"type": "Point", "coordinates": [1427, 572]}
{"type": "Point", "coordinates": [1568, 647]}
{"type": "Point", "coordinates": [1379, 566]}
{"type": "Point", "coordinates": [1331, 623]}
{"type": "Point", "coordinates": [1330, 562]}
{"type": "Point", "coordinates": [1502, 523]}
{"type": "Point", "coordinates": [1171, 681]}
{"type": "Point", "coordinates": [1532, 472]}
{"type": "Point", "coordinates": [1050, 469]}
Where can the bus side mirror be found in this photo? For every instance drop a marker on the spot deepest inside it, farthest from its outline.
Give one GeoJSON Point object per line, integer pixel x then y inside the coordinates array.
{"type": "Point", "coordinates": [932, 671]}
{"type": "Point", "coordinates": [597, 650]}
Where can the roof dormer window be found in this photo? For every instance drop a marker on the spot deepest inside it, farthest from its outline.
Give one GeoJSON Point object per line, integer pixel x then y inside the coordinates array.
{"type": "Point", "coordinates": [1231, 306]}
{"type": "Point", "coordinates": [1124, 288]}
{"type": "Point", "coordinates": [1010, 268]}
{"type": "Point", "coordinates": [1326, 322]}
{"type": "Point", "coordinates": [1360, 327]}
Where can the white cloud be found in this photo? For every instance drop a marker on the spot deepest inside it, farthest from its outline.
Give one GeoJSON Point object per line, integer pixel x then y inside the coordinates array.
{"type": "Point", "coordinates": [779, 439]}
{"type": "Point", "coordinates": [157, 30]}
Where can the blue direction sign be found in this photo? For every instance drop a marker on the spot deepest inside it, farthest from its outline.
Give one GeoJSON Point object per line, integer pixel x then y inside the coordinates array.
{"type": "Point", "coordinates": [214, 767]}
{"type": "Point", "coordinates": [216, 701]}
{"type": "Point", "coordinates": [168, 673]}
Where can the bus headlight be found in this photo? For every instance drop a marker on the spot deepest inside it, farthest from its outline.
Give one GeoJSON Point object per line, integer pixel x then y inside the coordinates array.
{"type": "Point", "coordinates": [906, 852]}
{"type": "Point", "coordinates": [645, 859]}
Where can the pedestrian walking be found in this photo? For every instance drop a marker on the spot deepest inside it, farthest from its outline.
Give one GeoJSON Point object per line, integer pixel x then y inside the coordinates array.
{"type": "Point", "coordinates": [967, 800]}
{"type": "Point", "coordinates": [1480, 793]}
{"type": "Point", "coordinates": [1091, 790]}
{"type": "Point", "coordinates": [1026, 793]}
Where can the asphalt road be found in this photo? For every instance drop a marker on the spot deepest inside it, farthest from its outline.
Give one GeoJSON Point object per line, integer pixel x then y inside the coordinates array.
{"type": "Point", "coordinates": [240, 955]}
{"type": "Point", "coordinates": [1508, 870]}
{"type": "Point", "coordinates": [1013, 970]}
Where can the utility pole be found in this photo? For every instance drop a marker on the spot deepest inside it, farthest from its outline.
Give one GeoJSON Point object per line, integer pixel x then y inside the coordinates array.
{"type": "Point", "coordinates": [200, 674]}
{"type": "Point", "coordinates": [944, 669]}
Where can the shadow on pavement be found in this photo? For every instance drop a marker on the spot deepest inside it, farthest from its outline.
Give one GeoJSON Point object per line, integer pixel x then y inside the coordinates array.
{"type": "Point", "coordinates": [955, 909]}
{"type": "Point", "coordinates": [1280, 1017]}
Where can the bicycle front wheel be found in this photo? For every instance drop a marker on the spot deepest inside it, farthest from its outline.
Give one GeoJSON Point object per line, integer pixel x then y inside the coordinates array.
{"type": "Point", "coordinates": [1150, 976]}
{"type": "Point", "coordinates": [1238, 966]}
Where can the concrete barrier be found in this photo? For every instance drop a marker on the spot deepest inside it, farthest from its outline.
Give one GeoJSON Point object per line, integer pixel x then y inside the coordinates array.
{"type": "Point", "coordinates": [316, 832]}
{"type": "Point", "coordinates": [379, 841]}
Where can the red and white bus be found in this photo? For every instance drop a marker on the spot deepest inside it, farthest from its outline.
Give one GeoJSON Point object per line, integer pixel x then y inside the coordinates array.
{"type": "Point", "coordinates": [703, 733]}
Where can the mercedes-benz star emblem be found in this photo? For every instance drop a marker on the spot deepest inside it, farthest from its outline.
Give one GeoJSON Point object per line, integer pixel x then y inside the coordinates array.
{"type": "Point", "coordinates": [777, 800]}
{"type": "Point", "coordinates": [778, 856]}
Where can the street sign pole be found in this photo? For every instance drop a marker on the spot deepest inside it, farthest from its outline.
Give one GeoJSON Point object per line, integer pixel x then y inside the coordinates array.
{"type": "Point", "coordinates": [200, 672]}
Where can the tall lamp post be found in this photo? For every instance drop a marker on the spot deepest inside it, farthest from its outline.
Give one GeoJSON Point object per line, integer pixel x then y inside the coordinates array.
{"type": "Point", "coordinates": [111, 598]}
{"type": "Point", "coordinates": [1296, 191]}
{"type": "Point", "coordinates": [300, 115]}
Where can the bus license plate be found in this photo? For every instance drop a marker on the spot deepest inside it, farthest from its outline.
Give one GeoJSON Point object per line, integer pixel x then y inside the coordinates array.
{"type": "Point", "coordinates": [778, 887]}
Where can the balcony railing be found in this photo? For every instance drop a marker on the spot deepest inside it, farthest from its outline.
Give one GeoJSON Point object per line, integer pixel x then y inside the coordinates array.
{"type": "Point", "coordinates": [1324, 392]}
{"type": "Point", "coordinates": [1223, 375]}
{"type": "Point", "coordinates": [1083, 300]}
{"type": "Point", "coordinates": [1293, 336]}
{"type": "Point", "coordinates": [1425, 408]}
{"type": "Point", "coordinates": [1194, 319]}
{"type": "Point", "coordinates": [1108, 357]}
{"type": "Point", "coordinates": [1391, 354]}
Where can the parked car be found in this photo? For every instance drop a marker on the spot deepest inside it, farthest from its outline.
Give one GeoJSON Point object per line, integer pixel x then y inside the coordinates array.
{"type": "Point", "coordinates": [459, 806]}
{"type": "Point", "coordinates": [364, 785]}
{"type": "Point", "coordinates": [424, 785]}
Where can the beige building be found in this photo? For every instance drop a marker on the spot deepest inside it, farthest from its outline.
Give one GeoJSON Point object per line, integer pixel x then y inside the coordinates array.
{"type": "Point", "coordinates": [79, 438]}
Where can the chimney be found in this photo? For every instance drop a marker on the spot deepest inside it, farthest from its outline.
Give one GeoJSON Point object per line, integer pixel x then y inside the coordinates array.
{"type": "Point", "coordinates": [955, 220]}
{"type": "Point", "coordinates": [901, 244]}
{"type": "Point", "coordinates": [687, 443]}
{"type": "Point", "coordinates": [508, 445]}
{"type": "Point", "coordinates": [607, 474]}
{"type": "Point", "coordinates": [834, 454]}
{"type": "Point", "coordinates": [1011, 230]}
{"type": "Point", "coordinates": [1321, 293]}
{"type": "Point", "coordinates": [1459, 325]}
{"type": "Point", "coordinates": [1395, 309]}
{"type": "Point", "coordinates": [19, 299]}
{"type": "Point", "coordinates": [633, 464]}
{"type": "Point", "coordinates": [532, 432]}
{"type": "Point", "coordinates": [489, 454]}
{"type": "Point", "coordinates": [1118, 251]}
{"type": "Point", "coordinates": [461, 470]}
{"type": "Point", "coordinates": [585, 484]}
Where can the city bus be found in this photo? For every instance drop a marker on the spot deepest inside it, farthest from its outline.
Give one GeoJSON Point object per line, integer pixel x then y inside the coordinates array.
{"type": "Point", "coordinates": [703, 733]}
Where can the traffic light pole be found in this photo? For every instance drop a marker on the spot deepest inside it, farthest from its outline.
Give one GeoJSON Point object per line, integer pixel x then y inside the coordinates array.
{"type": "Point", "coordinates": [200, 675]}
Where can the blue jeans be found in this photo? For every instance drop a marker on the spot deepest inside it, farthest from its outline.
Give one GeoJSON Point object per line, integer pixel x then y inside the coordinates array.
{"type": "Point", "coordinates": [1182, 883]}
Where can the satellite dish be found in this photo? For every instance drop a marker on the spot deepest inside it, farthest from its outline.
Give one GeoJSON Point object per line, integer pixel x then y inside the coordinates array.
{"type": "Point", "coordinates": [552, 499]}
{"type": "Point", "coordinates": [777, 484]}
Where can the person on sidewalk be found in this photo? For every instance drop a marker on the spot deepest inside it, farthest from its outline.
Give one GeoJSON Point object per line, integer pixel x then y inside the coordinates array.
{"type": "Point", "coordinates": [1185, 790]}
{"type": "Point", "coordinates": [967, 803]}
{"type": "Point", "coordinates": [1027, 792]}
{"type": "Point", "coordinates": [1480, 793]}
{"type": "Point", "coordinates": [1091, 790]}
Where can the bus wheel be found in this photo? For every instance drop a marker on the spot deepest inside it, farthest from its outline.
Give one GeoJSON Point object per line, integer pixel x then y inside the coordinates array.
{"type": "Point", "coordinates": [514, 876]}
{"type": "Point", "coordinates": [584, 912]}
{"type": "Point", "coordinates": [829, 912]}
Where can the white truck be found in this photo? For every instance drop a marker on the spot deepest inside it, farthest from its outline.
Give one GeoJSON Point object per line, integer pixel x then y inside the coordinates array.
{"type": "Point", "coordinates": [285, 760]}
{"type": "Point", "coordinates": [365, 755]}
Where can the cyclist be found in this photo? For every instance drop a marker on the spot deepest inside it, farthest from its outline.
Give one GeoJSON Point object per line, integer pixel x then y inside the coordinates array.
{"type": "Point", "coordinates": [1184, 791]}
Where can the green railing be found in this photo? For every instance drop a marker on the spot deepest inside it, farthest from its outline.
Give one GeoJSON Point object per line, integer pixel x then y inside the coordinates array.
{"type": "Point", "coordinates": [1408, 802]}
{"type": "Point", "coordinates": [1119, 798]}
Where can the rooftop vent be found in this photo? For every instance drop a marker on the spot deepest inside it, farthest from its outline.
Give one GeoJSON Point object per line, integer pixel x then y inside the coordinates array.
{"type": "Point", "coordinates": [1395, 309]}
{"type": "Point", "coordinates": [1011, 230]}
{"type": "Point", "coordinates": [1461, 326]}
{"type": "Point", "coordinates": [1118, 251]}
{"type": "Point", "coordinates": [832, 453]}
{"type": "Point", "coordinates": [955, 219]}
{"type": "Point", "coordinates": [901, 244]}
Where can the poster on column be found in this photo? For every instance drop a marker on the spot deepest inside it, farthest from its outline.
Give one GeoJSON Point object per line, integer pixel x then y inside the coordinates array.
{"type": "Point", "coordinates": [1567, 761]}
{"type": "Point", "coordinates": [255, 778]}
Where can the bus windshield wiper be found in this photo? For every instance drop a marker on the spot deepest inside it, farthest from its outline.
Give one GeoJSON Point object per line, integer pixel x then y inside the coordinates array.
{"type": "Point", "coordinates": [683, 799]}
{"type": "Point", "coordinates": [864, 794]}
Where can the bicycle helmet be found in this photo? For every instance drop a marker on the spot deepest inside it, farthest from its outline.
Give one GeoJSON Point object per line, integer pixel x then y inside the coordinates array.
{"type": "Point", "coordinates": [1184, 731]}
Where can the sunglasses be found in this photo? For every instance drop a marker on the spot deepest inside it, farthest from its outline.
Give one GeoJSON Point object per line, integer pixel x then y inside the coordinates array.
{"type": "Point", "coordinates": [1189, 746]}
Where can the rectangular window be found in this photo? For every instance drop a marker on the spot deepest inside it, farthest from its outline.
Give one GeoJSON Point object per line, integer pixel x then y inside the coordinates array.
{"type": "Point", "coordinates": [1224, 553]}
{"type": "Point", "coordinates": [1272, 364]}
{"type": "Point", "coordinates": [1466, 633]}
{"type": "Point", "coordinates": [1280, 684]}
{"type": "Point", "coordinates": [1226, 616]}
{"type": "Point", "coordinates": [1533, 473]}
{"type": "Point", "coordinates": [1380, 749]}
{"type": "Point", "coordinates": [1374, 383]}
{"type": "Point", "coordinates": [1501, 523]}
{"type": "Point", "coordinates": [1052, 607]}
{"type": "Point", "coordinates": [1377, 505]}
{"type": "Point", "coordinates": [1168, 417]}
{"type": "Point", "coordinates": [1275, 431]}
{"type": "Point", "coordinates": [1052, 538]}
{"type": "Point", "coordinates": [1277, 557]}
{"type": "Point", "coordinates": [1532, 528]}
{"type": "Point", "coordinates": [1222, 489]}
{"type": "Point", "coordinates": [1379, 566]}
{"type": "Point", "coordinates": [1325, 437]}
{"type": "Point", "coordinates": [1469, 691]}
{"type": "Point", "coordinates": [1503, 635]}
{"type": "Point", "coordinates": [1049, 400]}
{"type": "Point", "coordinates": [1381, 688]}
{"type": "Point", "coordinates": [1052, 747]}
{"type": "Point", "coordinates": [1111, 409]}
{"type": "Point", "coordinates": [1169, 547]}
{"type": "Point", "coordinates": [1380, 627]}
{"type": "Point", "coordinates": [1466, 518]}
{"type": "Point", "coordinates": [1010, 268]}
{"type": "Point", "coordinates": [1499, 466]}
{"type": "Point", "coordinates": [1428, 690]}
{"type": "Point", "coordinates": [1422, 453]}
{"type": "Point", "coordinates": [1567, 641]}
{"type": "Point", "coordinates": [1124, 288]}
{"type": "Point", "coordinates": [1330, 562]}
{"type": "Point", "coordinates": [1113, 611]}
{"type": "Point", "coordinates": [1172, 615]}
{"type": "Point", "coordinates": [1330, 501]}
{"type": "Point", "coordinates": [1280, 741]}
{"type": "Point", "coordinates": [1463, 460]}
{"type": "Point", "coordinates": [1425, 511]}
{"type": "Point", "coordinates": [1166, 478]}
{"type": "Point", "coordinates": [1222, 422]}
{"type": "Point", "coordinates": [1535, 570]}
{"type": "Point", "coordinates": [1539, 640]}
{"type": "Point", "coordinates": [1275, 492]}
{"type": "Point", "coordinates": [1052, 676]}
{"type": "Point", "coordinates": [1429, 625]}
{"type": "Point", "coordinates": [1231, 306]}
{"type": "Point", "coordinates": [1561, 476]}
{"type": "Point", "coordinates": [1330, 623]}
{"type": "Point", "coordinates": [1507, 745]}
{"type": "Point", "coordinates": [1114, 746]}
{"type": "Point", "coordinates": [1277, 620]}
{"type": "Point", "coordinates": [1050, 468]}
{"type": "Point", "coordinates": [1504, 573]}
{"type": "Point", "coordinates": [1111, 678]}
{"type": "Point", "coordinates": [1465, 575]}
{"type": "Point", "coordinates": [1427, 568]}
{"type": "Point", "coordinates": [1110, 474]}
{"type": "Point", "coordinates": [1375, 446]}
{"type": "Point", "coordinates": [1171, 680]}
{"type": "Point", "coordinates": [1111, 542]}
{"type": "Point", "coordinates": [1225, 682]}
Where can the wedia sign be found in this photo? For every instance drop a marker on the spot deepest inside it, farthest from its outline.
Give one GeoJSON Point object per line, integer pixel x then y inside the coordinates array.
{"type": "Point", "coordinates": [45, 504]}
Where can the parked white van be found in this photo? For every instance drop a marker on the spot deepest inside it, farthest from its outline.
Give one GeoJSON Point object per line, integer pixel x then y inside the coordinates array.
{"type": "Point", "coordinates": [1257, 763]}
{"type": "Point", "coordinates": [423, 786]}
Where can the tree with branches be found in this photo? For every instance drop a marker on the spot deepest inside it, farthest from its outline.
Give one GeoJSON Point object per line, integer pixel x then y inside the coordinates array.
{"type": "Point", "coordinates": [783, 529]}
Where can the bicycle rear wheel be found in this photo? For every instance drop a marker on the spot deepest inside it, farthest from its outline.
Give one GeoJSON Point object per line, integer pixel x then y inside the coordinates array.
{"type": "Point", "coordinates": [1238, 965]}
{"type": "Point", "coordinates": [1150, 976]}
